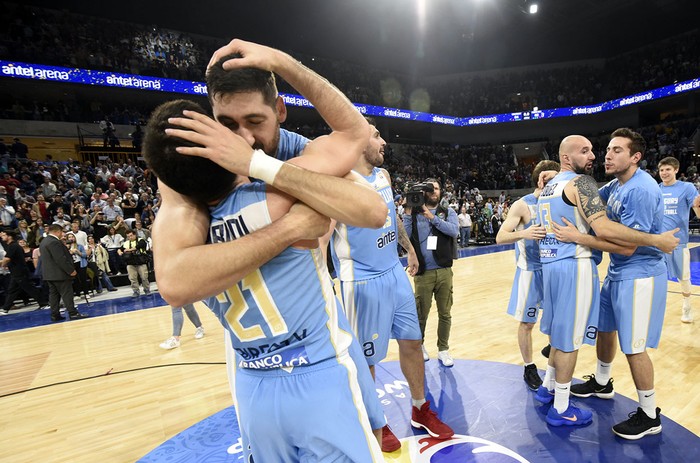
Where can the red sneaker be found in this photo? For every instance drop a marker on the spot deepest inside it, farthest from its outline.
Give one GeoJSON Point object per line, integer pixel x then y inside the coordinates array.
{"type": "Point", "coordinates": [390, 443]}
{"type": "Point", "coordinates": [427, 419]}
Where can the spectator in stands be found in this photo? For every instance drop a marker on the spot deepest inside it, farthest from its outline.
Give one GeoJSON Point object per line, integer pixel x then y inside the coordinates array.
{"type": "Point", "coordinates": [41, 208]}
{"type": "Point", "coordinates": [98, 262]}
{"type": "Point", "coordinates": [7, 213]}
{"type": "Point", "coordinates": [134, 252]}
{"type": "Point", "coordinates": [113, 242]}
{"type": "Point", "coordinates": [19, 150]}
{"type": "Point", "coordinates": [111, 210]}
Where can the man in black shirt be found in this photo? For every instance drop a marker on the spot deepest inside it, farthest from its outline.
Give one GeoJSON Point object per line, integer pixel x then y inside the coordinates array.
{"type": "Point", "coordinates": [19, 273]}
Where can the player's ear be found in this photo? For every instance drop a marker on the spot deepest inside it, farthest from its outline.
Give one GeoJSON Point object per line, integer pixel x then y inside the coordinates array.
{"type": "Point", "coordinates": [281, 109]}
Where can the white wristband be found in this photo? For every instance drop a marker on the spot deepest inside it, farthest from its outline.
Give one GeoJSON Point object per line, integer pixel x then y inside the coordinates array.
{"type": "Point", "coordinates": [264, 167]}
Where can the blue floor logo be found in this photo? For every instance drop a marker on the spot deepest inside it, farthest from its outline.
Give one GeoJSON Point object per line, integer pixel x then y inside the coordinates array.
{"type": "Point", "coordinates": [463, 449]}
{"type": "Point", "coordinates": [495, 417]}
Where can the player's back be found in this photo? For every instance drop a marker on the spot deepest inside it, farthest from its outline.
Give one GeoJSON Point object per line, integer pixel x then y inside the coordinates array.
{"type": "Point", "coordinates": [363, 253]}
{"type": "Point", "coordinates": [284, 314]}
{"type": "Point", "coordinates": [553, 206]}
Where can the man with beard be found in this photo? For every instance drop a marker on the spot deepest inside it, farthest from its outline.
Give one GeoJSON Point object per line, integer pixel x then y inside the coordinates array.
{"type": "Point", "coordinates": [570, 274]}
{"type": "Point", "coordinates": [633, 297]}
{"type": "Point", "coordinates": [433, 229]}
{"type": "Point", "coordinates": [377, 294]}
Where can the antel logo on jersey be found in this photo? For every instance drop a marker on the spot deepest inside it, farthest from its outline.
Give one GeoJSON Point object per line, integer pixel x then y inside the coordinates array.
{"type": "Point", "coordinates": [459, 449]}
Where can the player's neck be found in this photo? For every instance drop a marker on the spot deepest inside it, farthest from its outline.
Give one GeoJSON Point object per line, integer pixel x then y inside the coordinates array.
{"type": "Point", "coordinates": [623, 177]}
{"type": "Point", "coordinates": [671, 182]}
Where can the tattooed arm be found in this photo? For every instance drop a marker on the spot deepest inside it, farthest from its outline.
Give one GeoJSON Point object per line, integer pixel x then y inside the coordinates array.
{"type": "Point", "coordinates": [583, 190]}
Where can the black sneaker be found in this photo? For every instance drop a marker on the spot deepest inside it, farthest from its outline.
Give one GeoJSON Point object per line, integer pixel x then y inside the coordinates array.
{"type": "Point", "coordinates": [531, 377]}
{"type": "Point", "coordinates": [591, 387]}
{"type": "Point", "coordinates": [639, 425]}
{"type": "Point", "coordinates": [545, 350]}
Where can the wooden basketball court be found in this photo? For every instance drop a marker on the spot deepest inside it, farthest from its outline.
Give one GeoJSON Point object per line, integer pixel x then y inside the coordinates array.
{"type": "Point", "coordinates": [140, 395]}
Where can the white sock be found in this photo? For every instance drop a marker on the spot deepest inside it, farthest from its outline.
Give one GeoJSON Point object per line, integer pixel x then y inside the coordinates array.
{"type": "Point", "coordinates": [686, 302]}
{"type": "Point", "coordinates": [418, 403]}
{"type": "Point", "coordinates": [529, 363]}
{"type": "Point", "coordinates": [561, 396]}
{"type": "Point", "coordinates": [602, 373]}
{"type": "Point", "coordinates": [647, 400]}
{"type": "Point", "coordinates": [548, 380]}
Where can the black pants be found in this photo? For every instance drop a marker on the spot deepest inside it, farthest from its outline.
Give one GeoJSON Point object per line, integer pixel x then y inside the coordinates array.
{"type": "Point", "coordinates": [61, 290]}
{"type": "Point", "coordinates": [15, 288]}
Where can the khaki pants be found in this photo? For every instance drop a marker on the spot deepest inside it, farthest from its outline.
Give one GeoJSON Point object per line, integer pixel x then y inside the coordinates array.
{"type": "Point", "coordinates": [437, 282]}
{"type": "Point", "coordinates": [136, 271]}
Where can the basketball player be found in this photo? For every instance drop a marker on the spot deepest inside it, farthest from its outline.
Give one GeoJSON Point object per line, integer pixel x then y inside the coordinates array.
{"type": "Point", "coordinates": [377, 293]}
{"type": "Point", "coordinates": [570, 275]}
{"type": "Point", "coordinates": [633, 297]}
{"type": "Point", "coordinates": [678, 197]}
{"type": "Point", "coordinates": [272, 338]}
{"type": "Point", "coordinates": [521, 227]}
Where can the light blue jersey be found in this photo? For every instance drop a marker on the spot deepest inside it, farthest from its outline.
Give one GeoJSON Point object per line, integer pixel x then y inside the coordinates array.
{"type": "Point", "coordinates": [291, 340]}
{"type": "Point", "coordinates": [678, 199]}
{"type": "Point", "coordinates": [552, 206]}
{"type": "Point", "coordinates": [377, 294]}
{"type": "Point", "coordinates": [363, 253]}
{"type": "Point", "coordinates": [275, 324]}
{"type": "Point", "coordinates": [636, 204]}
{"type": "Point", "coordinates": [527, 252]}
{"type": "Point", "coordinates": [290, 145]}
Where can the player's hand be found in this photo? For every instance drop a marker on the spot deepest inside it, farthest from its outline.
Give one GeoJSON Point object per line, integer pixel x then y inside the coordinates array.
{"type": "Point", "coordinates": [667, 241]}
{"type": "Point", "coordinates": [566, 233]}
{"type": "Point", "coordinates": [309, 224]}
{"type": "Point", "coordinates": [545, 176]}
{"type": "Point", "coordinates": [534, 232]}
{"type": "Point", "coordinates": [426, 213]}
{"type": "Point", "coordinates": [217, 142]}
{"type": "Point", "coordinates": [253, 56]}
{"type": "Point", "coordinates": [412, 263]}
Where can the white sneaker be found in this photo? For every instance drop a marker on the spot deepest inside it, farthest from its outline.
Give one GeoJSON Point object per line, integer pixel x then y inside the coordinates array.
{"type": "Point", "coordinates": [199, 333]}
{"type": "Point", "coordinates": [445, 357]}
{"type": "Point", "coordinates": [170, 343]}
{"type": "Point", "coordinates": [426, 357]}
{"type": "Point", "coordinates": [687, 317]}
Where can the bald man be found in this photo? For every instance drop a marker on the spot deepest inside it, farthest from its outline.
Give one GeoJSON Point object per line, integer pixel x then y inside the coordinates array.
{"type": "Point", "coordinates": [570, 274]}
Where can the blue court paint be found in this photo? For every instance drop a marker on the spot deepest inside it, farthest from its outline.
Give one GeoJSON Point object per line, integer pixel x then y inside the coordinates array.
{"type": "Point", "coordinates": [21, 320]}
{"type": "Point", "coordinates": [495, 417]}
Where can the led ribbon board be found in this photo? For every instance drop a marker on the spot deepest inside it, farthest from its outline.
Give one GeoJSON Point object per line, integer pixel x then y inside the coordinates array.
{"type": "Point", "coordinates": [112, 79]}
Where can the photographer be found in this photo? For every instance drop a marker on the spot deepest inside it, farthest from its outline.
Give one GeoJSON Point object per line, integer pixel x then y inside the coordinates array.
{"type": "Point", "coordinates": [433, 238]}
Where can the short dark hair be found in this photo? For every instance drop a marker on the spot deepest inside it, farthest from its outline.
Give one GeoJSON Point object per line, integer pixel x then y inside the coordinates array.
{"type": "Point", "coordinates": [192, 176]}
{"type": "Point", "coordinates": [670, 161]}
{"type": "Point", "coordinates": [541, 167]}
{"type": "Point", "coordinates": [222, 82]}
{"type": "Point", "coordinates": [637, 142]}
{"type": "Point", "coordinates": [54, 228]}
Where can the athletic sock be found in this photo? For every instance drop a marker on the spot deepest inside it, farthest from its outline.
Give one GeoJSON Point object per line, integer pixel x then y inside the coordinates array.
{"type": "Point", "coordinates": [418, 403]}
{"type": "Point", "coordinates": [602, 374]}
{"type": "Point", "coordinates": [647, 401]}
{"type": "Point", "coordinates": [561, 396]}
{"type": "Point", "coordinates": [548, 380]}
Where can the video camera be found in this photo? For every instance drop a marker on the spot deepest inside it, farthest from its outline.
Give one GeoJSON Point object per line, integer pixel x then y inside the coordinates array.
{"type": "Point", "coordinates": [415, 196]}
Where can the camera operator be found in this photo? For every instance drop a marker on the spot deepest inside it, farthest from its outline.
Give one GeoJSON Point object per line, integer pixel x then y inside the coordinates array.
{"type": "Point", "coordinates": [433, 238]}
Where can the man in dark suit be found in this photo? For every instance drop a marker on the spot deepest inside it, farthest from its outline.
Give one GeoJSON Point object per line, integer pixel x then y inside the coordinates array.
{"type": "Point", "coordinates": [19, 272]}
{"type": "Point", "coordinates": [58, 271]}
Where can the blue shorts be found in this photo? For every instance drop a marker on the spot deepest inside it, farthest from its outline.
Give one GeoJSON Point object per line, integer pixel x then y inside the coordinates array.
{"type": "Point", "coordinates": [379, 309]}
{"type": "Point", "coordinates": [314, 414]}
{"type": "Point", "coordinates": [526, 296]}
{"type": "Point", "coordinates": [635, 309]}
{"type": "Point", "coordinates": [571, 297]}
{"type": "Point", "coordinates": [678, 262]}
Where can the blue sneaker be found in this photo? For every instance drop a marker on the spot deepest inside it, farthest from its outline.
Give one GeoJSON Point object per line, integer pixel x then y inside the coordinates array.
{"type": "Point", "coordinates": [573, 416]}
{"type": "Point", "coordinates": [544, 395]}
